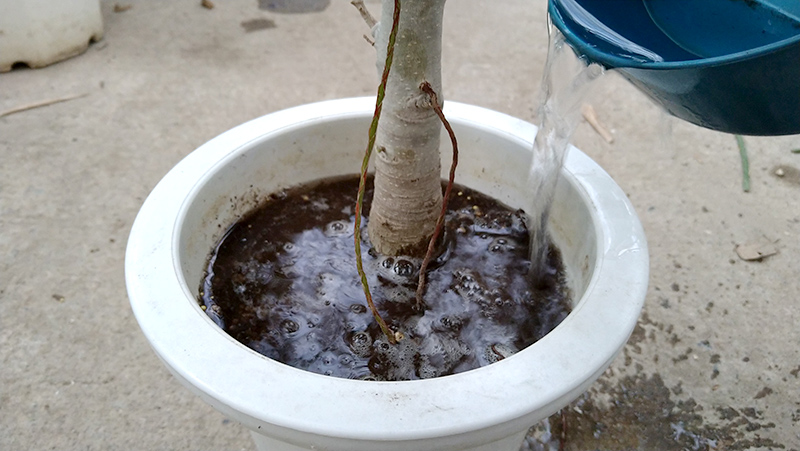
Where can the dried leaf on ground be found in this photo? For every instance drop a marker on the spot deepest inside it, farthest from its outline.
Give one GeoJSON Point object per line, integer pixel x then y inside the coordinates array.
{"type": "Point", "coordinates": [756, 251]}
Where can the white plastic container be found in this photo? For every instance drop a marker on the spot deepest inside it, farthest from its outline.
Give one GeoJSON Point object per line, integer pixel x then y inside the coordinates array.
{"type": "Point", "coordinates": [288, 409]}
{"type": "Point", "coordinates": [41, 32]}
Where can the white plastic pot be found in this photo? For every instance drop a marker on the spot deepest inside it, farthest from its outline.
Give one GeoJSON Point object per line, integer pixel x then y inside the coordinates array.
{"type": "Point", "coordinates": [489, 408]}
{"type": "Point", "coordinates": [42, 32]}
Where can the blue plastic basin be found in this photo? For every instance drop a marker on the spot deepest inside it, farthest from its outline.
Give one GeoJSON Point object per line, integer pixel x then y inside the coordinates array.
{"type": "Point", "coordinates": [727, 65]}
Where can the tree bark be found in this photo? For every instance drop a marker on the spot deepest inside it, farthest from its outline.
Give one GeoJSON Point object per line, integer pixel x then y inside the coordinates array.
{"type": "Point", "coordinates": [408, 192]}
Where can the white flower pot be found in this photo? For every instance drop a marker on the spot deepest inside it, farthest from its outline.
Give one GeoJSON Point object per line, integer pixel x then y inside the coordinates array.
{"type": "Point", "coordinates": [42, 32]}
{"type": "Point", "coordinates": [490, 408]}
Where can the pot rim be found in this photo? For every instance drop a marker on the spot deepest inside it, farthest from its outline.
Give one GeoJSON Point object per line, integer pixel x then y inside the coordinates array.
{"type": "Point", "coordinates": [274, 396]}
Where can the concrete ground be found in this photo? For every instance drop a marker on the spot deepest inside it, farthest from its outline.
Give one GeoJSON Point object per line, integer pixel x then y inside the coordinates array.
{"type": "Point", "coordinates": [714, 363]}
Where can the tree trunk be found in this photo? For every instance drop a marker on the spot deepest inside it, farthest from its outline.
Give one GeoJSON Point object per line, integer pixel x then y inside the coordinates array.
{"type": "Point", "coordinates": [408, 192]}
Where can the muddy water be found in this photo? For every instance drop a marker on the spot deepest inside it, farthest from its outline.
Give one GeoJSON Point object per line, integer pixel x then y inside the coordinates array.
{"type": "Point", "coordinates": [283, 283]}
{"type": "Point", "coordinates": [640, 412]}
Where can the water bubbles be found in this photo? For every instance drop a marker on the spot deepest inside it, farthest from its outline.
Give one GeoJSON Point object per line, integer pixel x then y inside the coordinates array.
{"type": "Point", "coordinates": [358, 309]}
{"type": "Point", "coordinates": [376, 365]}
{"type": "Point", "coordinates": [314, 320]}
{"type": "Point", "coordinates": [396, 361]}
{"type": "Point", "coordinates": [361, 344]}
{"type": "Point", "coordinates": [346, 360]}
{"type": "Point", "coordinates": [326, 363]}
{"type": "Point", "coordinates": [451, 322]}
{"type": "Point", "coordinates": [440, 355]}
{"type": "Point", "coordinates": [289, 327]}
{"type": "Point", "coordinates": [254, 272]}
{"type": "Point", "coordinates": [519, 223]}
{"type": "Point", "coordinates": [404, 268]}
{"type": "Point", "coordinates": [427, 371]}
{"type": "Point", "coordinates": [336, 228]}
{"type": "Point", "coordinates": [467, 283]}
{"type": "Point", "coordinates": [501, 245]}
{"type": "Point", "coordinates": [498, 351]}
{"type": "Point", "coordinates": [398, 270]}
{"type": "Point", "coordinates": [383, 347]}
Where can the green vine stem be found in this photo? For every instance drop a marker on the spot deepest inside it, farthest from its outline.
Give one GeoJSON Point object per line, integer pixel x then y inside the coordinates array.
{"type": "Point", "coordinates": [745, 163]}
{"type": "Point", "coordinates": [427, 89]}
{"type": "Point", "coordinates": [373, 129]}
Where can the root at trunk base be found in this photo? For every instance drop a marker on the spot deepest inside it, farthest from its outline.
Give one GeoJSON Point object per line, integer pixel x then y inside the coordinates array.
{"type": "Point", "coordinates": [283, 282]}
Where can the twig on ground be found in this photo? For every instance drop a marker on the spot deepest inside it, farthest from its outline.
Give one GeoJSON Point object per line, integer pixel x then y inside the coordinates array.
{"type": "Point", "coordinates": [745, 163]}
{"type": "Point", "coordinates": [373, 130]}
{"type": "Point", "coordinates": [591, 117]}
{"type": "Point", "coordinates": [362, 9]}
{"type": "Point", "coordinates": [41, 103]}
{"type": "Point", "coordinates": [428, 89]}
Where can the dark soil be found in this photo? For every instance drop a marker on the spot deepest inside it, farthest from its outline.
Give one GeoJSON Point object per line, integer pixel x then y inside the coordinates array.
{"type": "Point", "coordinates": [283, 282]}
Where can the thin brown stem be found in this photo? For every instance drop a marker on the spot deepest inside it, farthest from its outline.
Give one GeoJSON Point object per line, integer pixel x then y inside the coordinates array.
{"type": "Point", "coordinates": [428, 89]}
{"type": "Point", "coordinates": [373, 129]}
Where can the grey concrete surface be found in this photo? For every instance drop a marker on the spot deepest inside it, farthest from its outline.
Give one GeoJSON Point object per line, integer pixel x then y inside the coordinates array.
{"type": "Point", "coordinates": [713, 364]}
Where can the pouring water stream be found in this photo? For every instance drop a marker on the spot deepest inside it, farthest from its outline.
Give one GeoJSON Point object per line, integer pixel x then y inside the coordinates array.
{"type": "Point", "coordinates": [565, 84]}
